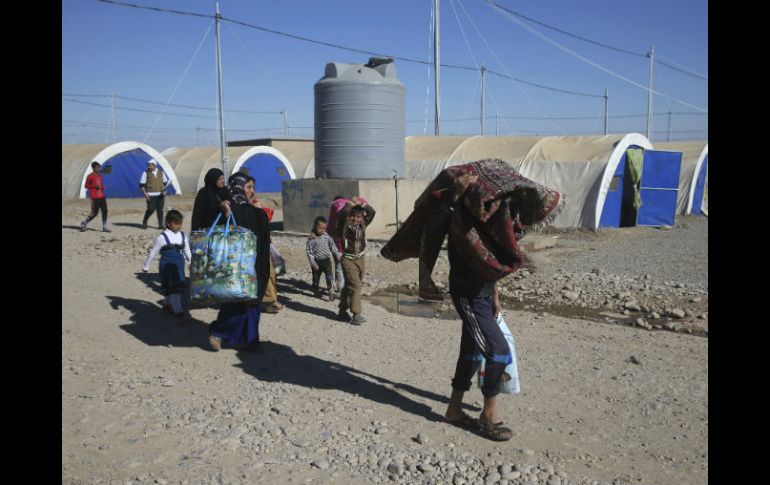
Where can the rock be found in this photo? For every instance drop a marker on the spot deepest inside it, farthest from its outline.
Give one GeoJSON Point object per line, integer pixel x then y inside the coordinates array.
{"type": "Point", "coordinates": [632, 306]}
{"type": "Point", "coordinates": [395, 468]}
{"type": "Point", "coordinates": [570, 295]}
{"type": "Point", "coordinates": [422, 439]}
{"type": "Point", "coordinates": [425, 468]}
{"type": "Point", "coordinates": [512, 475]}
{"type": "Point", "coordinates": [383, 462]}
{"type": "Point", "coordinates": [505, 469]}
{"type": "Point", "coordinates": [553, 480]}
{"type": "Point", "coordinates": [634, 360]}
{"type": "Point", "coordinates": [381, 430]}
{"type": "Point", "coordinates": [321, 464]}
{"type": "Point", "coordinates": [677, 313]}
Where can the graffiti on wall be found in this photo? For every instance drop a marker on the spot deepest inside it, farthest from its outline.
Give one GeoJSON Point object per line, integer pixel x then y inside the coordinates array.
{"type": "Point", "coordinates": [318, 201]}
{"type": "Point", "coordinates": [290, 189]}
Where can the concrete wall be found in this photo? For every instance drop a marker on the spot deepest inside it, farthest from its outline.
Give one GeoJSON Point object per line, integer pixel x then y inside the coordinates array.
{"type": "Point", "coordinates": [304, 199]}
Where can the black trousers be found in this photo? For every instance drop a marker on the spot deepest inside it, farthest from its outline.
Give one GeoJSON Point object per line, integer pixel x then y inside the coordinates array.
{"type": "Point", "coordinates": [154, 203]}
{"type": "Point", "coordinates": [324, 266]}
{"type": "Point", "coordinates": [481, 336]}
{"type": "Point", "coordinates": [96, 206]}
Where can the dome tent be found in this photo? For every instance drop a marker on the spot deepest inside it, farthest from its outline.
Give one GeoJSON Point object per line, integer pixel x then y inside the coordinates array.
{"type": "Point", "coordinates": [582, 168]}
{"type": "Point", "coordinates": [693, 184]}
{"type": "Point", "coordinates": [122, 166]}
{"type": "Point", "coordinates": [268, 165]}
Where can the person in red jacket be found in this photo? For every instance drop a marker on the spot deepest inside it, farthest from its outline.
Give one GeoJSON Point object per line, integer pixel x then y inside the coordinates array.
{"type": "Point", "coordinates": [98, 199]}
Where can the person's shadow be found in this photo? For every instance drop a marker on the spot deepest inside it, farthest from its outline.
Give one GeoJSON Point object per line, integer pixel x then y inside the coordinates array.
{"type": "Point", "coordinates": [154, 327]}
{"type": "Point", "coordinates": [279, 363]}
{"type": "Point", "coordinates": [129, 224]}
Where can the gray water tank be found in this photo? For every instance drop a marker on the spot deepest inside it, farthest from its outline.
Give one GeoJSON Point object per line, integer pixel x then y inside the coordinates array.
{"type": "Point", "coordinates": [359, 121]}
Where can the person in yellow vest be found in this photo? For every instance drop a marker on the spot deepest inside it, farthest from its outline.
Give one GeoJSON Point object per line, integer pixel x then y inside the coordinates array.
{"type": "Point", "coordinates": [153, 184]}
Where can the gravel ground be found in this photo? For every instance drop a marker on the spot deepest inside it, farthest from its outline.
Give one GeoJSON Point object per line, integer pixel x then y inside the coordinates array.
{"type": "Point", "coordinates": [145, 401]}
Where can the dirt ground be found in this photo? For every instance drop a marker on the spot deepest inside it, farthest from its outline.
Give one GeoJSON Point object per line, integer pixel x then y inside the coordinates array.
{"type": "Point", "coordinates": [144, 400]}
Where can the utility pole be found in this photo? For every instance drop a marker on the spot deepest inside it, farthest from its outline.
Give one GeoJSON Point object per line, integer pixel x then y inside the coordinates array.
{"type": "Point", "coordinates": [114, 121]}
{"type": "Point", "coordinates": [436, 66]}
{"type": "Point", "coordinates": [482, 99]}
{"type": "Point", "coordinates": [668, 134]}
{"type": "Point", "coordinates": [606, 109]}
{"type": "Point", "coordinates": [221, 101]}
{"type": "Point", "coordinates": [649, 96]}
{"type": "Point", "coordinates": [285, 123]}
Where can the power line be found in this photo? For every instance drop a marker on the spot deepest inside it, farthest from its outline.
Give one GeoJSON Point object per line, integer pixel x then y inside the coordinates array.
{"type": "Point", "coordinates": [142, 100]}
{"type": "Point", "coordinates": [137, 109]}
{"type": "Point", "coordinates": [342, 47]}
{"type": "Point", "coordinates": [662, 63]}
{"type": "Point", "coordinates": [585, 59]}
{"type": "Point", "coordinates": [584, 39]}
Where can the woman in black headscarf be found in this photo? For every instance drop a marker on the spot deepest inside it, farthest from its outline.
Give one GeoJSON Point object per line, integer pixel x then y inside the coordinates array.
{"type": "Point", "coordinates": [238, 323]}
{"type": "Point", "coordinates": [212, 199]}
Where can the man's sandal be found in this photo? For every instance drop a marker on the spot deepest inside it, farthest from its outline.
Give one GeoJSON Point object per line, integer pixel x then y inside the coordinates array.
{"type": "Point", "coordinates": [493, 431]}
{"type": "Point", "coordinates": [465, 422]}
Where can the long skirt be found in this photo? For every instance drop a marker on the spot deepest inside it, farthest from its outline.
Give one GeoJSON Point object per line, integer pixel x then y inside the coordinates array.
{"type": "Point", "coordinates": [237, 324]}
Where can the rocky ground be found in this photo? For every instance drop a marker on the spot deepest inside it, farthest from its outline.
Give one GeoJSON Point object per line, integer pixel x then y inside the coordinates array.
{"type": "Point", "coordinates": [611, 331]}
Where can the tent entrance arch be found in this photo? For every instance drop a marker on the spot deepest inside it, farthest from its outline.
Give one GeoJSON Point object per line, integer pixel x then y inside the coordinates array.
{"type": "Point", "coordinates": [701, 190]}
{"type": "Point", "coordinates": [268, 166]}
{"type": "Point", "coordinates": [121, 174]}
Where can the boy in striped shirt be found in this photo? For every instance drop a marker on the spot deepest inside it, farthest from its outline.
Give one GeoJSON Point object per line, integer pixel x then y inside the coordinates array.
{"type": "Point", "coordinates": [320, 250]}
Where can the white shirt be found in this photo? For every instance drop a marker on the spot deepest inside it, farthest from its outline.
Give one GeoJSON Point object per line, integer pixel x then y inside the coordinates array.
{"type": "Point", "coordinates": [160, 241]}
{"type": "Point", "coordinates": [143, 180]}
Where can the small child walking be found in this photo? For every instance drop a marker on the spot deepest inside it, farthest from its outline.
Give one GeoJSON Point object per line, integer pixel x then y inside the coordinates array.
{"type": "Point", "coordinates": [352, 228]}
{"type": "Point", "coordinates": [174, 249]}
{"type": "Point", "coordinates": [320, 251]}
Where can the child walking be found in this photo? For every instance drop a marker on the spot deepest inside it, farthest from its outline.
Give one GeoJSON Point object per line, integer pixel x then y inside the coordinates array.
{"type": "Point", "coordinates": [353, 224]}
{"type": "Point", "coordinates": [320, 250]}
{"type": "Point", "coordinates": [174, 249]}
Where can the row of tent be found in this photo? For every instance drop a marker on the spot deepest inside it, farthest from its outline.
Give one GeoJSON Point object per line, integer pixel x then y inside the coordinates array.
{"type": "Point", "coordinates": [600, 176]}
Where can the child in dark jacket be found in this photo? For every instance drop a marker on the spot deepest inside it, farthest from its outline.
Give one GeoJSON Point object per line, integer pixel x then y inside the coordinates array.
{"type": "Point", "coordinates": [352, 230]}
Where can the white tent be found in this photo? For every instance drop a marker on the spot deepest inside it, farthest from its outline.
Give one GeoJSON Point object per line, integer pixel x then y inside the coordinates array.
{"type": "Point", "coordinates": [127, 160]}
{"type": "Point", "coordinates": [580, 167]}
{"type": "Point", "coordinates": [267, 164]}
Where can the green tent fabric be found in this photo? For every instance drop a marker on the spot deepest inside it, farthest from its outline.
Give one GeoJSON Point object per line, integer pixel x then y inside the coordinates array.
{"type": "Point", "coordinates": [634, 158]}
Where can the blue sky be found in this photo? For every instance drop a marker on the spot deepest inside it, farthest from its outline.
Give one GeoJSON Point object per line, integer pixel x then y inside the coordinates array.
{"type": "Point", "coordinates": [144, 54]}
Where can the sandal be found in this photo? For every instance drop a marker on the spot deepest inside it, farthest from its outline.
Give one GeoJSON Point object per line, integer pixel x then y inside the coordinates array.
{"type": "Point", "coordinates": [493, 431]}
{"type": "Point", "coordinates": [465, 422]}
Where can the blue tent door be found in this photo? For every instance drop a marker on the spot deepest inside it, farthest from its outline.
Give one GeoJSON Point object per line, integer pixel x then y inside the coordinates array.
{"type": "Point", "coordinates": [268, 172]}
{"type": "Point", "coordinates": [659, 185]}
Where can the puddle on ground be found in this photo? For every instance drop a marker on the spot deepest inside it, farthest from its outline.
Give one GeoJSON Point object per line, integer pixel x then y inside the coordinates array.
{"type": "Point", "coordinates": [403, 300]}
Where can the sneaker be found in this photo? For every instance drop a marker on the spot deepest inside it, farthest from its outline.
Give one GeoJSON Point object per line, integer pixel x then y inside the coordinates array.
{"type": "Point", "coordinates": [144, 225]}
{"type": "Point", "coordinates": [216, 343]}
{"type": "Point", "coordinates": [358, 319]}
{"type": "Point", "coordinates": [167, 309]}
{"type": "Point", "coordinates": [104, 229]}
{"type": "Point", "coordinates": [161, 227]}
{"type": "Point", "coordinates": [82, 227]}
{"type": "Point", "coordinates": [343, 316]}
{"type": "Point", "coordinates": [332, 295]}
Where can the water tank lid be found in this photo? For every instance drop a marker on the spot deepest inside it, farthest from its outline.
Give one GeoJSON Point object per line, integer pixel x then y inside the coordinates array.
{"type": "Point", "coordinates": [378, 61]}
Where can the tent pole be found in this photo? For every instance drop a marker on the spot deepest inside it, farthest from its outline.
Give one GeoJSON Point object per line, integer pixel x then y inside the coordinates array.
{"type": "Point", "coordinates": [482, 99]}
{"type": "Point", "coordinates": [436, 66]}
{"type": "Point", "coordinates": [649, 95]}
{"type": "Point", "coordinates": [219, 90]}
{"type": "Point", "coordinates": [606, 109]}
